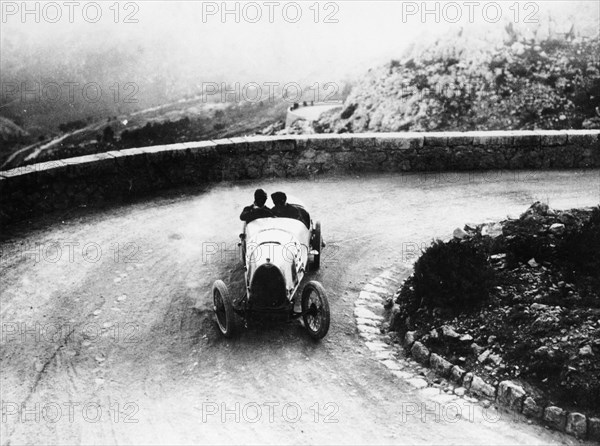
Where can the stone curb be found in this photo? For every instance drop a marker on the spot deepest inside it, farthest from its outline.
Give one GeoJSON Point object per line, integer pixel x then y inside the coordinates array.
{"type": "Point", "coordinates": [369, 311]}
{"type": "Point", "coordinates": [369, 314]}
{"type": "Point", "coordinates": [508, 394]}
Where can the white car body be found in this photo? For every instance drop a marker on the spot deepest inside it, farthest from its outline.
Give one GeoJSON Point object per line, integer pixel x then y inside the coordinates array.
{"type": "Point", "coordinates": [281, 243]}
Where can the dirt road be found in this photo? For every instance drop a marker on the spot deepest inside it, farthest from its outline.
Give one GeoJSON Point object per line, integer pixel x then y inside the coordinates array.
{"type": "Point", "coordinates": [108, 335]}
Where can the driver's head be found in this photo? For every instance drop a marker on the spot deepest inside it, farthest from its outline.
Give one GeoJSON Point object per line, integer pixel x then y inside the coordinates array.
{"type": "Point", "coordinates": [260, 197]}
{"type": "Point", "coordinates": [279, 198]}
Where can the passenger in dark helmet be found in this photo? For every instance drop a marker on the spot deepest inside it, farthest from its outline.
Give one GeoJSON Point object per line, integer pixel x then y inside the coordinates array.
{"type": "Point", "coordinates": [257, 209]}
{"type": "Point", "coordinates": [281, 208]}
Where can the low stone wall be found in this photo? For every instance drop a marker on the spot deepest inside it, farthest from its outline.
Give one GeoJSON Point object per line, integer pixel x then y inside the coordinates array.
{"type": "Point", "coordinates": [34, 190]}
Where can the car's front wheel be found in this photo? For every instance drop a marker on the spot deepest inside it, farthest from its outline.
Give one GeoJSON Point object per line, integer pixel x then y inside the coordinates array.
{"type": "Point", "coordinates": [315, 310]}
{"type": "Point", "coordinates": [223, 307]}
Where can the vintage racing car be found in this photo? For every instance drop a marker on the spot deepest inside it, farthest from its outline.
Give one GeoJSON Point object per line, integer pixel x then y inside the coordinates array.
{"type": "Point", "coordinates": [277, 252]}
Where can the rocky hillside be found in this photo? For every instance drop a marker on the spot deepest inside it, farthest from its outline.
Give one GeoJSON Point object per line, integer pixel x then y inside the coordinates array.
{"type": "Point", "coordinates": [523, 82]}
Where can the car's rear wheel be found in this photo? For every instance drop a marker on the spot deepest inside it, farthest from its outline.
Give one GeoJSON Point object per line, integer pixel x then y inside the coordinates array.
{"type": "Point", "coordinates": [223, 307]}
{"type": "Point", "coordinates": [315, 309]}
{"type": "Point", "coordinates": [315, 245]}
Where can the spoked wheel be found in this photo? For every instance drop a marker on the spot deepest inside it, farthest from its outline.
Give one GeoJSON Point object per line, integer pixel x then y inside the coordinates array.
{"type": "Point", "coordinates": [315, 244]}
{"type": "Point", "coordinates": [315, 310]}
{"type": "Point", "coordinates": [223, 307]}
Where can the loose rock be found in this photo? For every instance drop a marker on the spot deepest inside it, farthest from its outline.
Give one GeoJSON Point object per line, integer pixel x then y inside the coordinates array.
{"type": "Point", "coordinates": [467, 380]}
{"type": "Point", "coordinates": [482, 357]}
{"type": "Point", "coordinates": [576, 425]}
{"type": "Point", "coordinates": [586, 350]}
{"type": "Point", "coordinates": [460, 391]}
{"type": "Point", "coordinates": [531, 408]}
{"type": "Point", "coordinates": [492, 230]}
{"type": "Point", "coordinates": [479, 386]}
{"type": "Point", "coordinates": [456, 374]}
{"type": "Point", "coordinates": [409, 339]}
{"type": "Point", "coordinates": [420, 353]}
{"type": "Point", "coordinates": [440, 365]}
{"type": "Point", "coordinates": [555, 417]}
{"type": "Point", "coordinates": [459, 234]}
{"type": "Point", "coordinates": [449, 332]}
{"type": "Point", "coordinates": [511, 395]}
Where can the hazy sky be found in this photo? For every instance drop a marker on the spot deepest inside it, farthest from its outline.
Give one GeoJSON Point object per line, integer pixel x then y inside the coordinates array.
{"type": "Point", "coordinates": [348, 37]}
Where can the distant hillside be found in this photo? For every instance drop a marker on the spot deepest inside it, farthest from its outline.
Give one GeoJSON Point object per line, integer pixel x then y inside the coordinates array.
{"type": "Point", "coordinates": [179, 121]}
{"type": "Point", "coordinates": [9, 131]}
{"type": "Point", "coordinates": [10, 134]}
{"type": "Point", "coordinates": [521, 82]}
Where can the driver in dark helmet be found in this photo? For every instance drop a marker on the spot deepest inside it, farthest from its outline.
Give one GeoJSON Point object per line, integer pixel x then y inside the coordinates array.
{"type": "Point", "coordinates": [257, 209]}
{"type": "Point", "coordinates": [282, 208]}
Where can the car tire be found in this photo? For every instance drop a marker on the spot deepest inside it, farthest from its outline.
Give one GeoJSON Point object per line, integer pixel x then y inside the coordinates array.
{"type": "Point", "coordinates": [315, 310]}
{"type": "Point", "coordinates": [223, 308]}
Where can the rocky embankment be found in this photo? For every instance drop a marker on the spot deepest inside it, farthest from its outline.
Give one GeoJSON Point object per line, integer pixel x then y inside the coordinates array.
{"type": "Point", "coordinates": [533, 338]}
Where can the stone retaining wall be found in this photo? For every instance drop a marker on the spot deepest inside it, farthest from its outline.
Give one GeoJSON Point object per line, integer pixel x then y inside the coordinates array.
{"type": "Point", "coordinates": [31, 191]}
